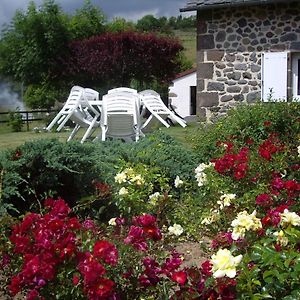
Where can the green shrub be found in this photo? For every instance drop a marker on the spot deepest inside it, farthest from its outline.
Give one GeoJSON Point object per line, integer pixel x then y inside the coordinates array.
{"type": "Point", "coordinates": [69, 170]}
{"type": "Point", "coordinates": [248, 123]}
{"type": "Point", "coordinates": [15, 121]}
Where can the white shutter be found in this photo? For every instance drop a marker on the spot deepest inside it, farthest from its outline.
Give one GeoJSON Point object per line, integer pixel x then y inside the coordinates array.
{"type": "Point", "coordinates": [274, 76]}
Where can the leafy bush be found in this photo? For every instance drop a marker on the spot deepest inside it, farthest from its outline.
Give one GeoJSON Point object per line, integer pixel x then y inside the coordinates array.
{"type": "Point", "coordinates": [15, 121]}
{"type": "Point", "coordinates": [248, 123]}
{"type": "Point", "coordinates": [48, 167]}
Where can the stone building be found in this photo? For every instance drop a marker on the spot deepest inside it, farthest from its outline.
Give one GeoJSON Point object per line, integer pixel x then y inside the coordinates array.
{"type": "Point", "coordinates": [246, 50]}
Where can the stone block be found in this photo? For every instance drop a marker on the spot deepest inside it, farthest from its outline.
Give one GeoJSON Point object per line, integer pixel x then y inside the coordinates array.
{"type": "Point", "coordinates": [226, 98]}
{"type": "Point", "coordinates": [295, 46]}
{"type": "Point", "coordinates": [234, 75]}
{"type": "Point", "coordinates": [208, 99]}
{"type": "Point", "coordinates": [239, 98]}
{"type": "Point", "coordinates": [200, 84]}
{"type": "Point", "coordinates": [234, 89]}
{"type": "Point", "coordinates": [253, 97]}
{"type": "Point", "coordinates": [205, 41]}
{"type": "Point", "coordinates": [200, 56]}
{"type": "Point", "coordinates": [215, 55]}
{"type": "Point", "coordinates": [215, 86]}
{"type": "Point", "coordinates": [220, 65]}
{"type": "Point", "coordinates": [278, 47]}
{"type": "Point", "coordinates": [242, 67]}
{"type": "Point", "coordinates": [231, 82]}
{"type": "Point", "coordinates": [205, 70]}
{"type": "Point", "coordinates": [289, 37]}
{"type": "Point", "coordinates": [221, 36]}
{"type": "Point", "coordinates": [255, 68]}
{"type": "Point", "coordinates": [230, 57]}
{"type": "Point", "coordinates": [201, 26]}
{"type": "Point", "coordinates": [247, 75]}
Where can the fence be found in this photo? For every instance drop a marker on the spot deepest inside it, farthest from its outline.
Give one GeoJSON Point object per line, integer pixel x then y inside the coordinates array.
{"type": "Point", "coordinates": [27, 115]}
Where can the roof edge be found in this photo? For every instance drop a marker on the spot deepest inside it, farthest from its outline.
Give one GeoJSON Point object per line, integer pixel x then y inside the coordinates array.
{"type": "Point", "coordinates": [240, 4]}
{"type": "Point", "coordinates": [185, 73]}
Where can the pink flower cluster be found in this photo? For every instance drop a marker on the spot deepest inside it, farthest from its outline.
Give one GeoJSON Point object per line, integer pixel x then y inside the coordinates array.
{"type": "Point", "coordinates": [144, 227]}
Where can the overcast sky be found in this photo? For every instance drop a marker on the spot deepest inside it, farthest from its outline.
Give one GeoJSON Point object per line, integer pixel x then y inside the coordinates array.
{"type": "Point", "coordinates": [128, 9]}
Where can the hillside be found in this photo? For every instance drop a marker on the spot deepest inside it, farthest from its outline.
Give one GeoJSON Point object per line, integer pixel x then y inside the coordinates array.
{"type": "Point", "coordinates": [188, 39]}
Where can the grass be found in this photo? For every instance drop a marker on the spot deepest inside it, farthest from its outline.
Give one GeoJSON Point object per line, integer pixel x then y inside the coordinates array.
{"type": "Point", "coordinates": [188, 39]}
{"type": "Point", "coordinates": [11, 140]}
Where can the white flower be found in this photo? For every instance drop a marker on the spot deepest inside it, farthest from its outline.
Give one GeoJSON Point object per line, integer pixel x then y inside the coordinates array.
{"type": "Point", "coordinates": [178, 182]}
{"type": "Point", "coordinates": [138, 179]}
{"type": "Point", "coordinates": [120, 177]}
{"type": "Point", "coordinates": [200, 175]}
{"type": "Point", "coordinates": [288, 217]}
{"type": "Point", "coordinates": [206, 221]}
{"type": "Point", "coordinates": [244, 222]}
{"type": "Point", "coordinates": [176, 229]}
{"type": "Point", "coordinates": [225, 200]}
{"type": "Point", "coordinates": [154, 198]}
{"type": "Point", "coordinates": [112, 222]}
{"type": "Point", "coordinates": [123, 191]}
{"type": "Point", "coordinates": [298, 148]}
{"type": "Point", "coordinates": [281, 239]}
{"type": "Point", "coordinates": [224, 263]}
{"type": "Point", "coordinates": [201, 178]}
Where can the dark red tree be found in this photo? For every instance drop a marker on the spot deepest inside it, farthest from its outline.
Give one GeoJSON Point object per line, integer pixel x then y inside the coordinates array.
{"type": "Point", "coordinates": [117, 58]}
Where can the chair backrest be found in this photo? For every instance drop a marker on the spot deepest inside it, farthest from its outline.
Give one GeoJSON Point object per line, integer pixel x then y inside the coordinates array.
{"type": "Point", "coordinates": [74, 97]}
{"type": "Point", "coordinates": [91, 94]}
{"type": "Point", "coordinates": [149, 92]}
{"type": "Point", "coordinates": [154, 104]}
{"type": "Point", "coordinates": [122, 89]}
{"type": "Point", "coordinates": [120, 114]}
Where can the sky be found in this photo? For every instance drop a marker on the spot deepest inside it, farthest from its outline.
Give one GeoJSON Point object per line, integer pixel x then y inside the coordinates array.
{"type": "Point", "coordinates": [128, 9]}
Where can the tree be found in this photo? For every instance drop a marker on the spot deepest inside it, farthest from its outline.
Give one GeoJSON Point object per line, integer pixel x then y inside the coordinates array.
{"type": "Point", "coordinates": [33, 48]}
{"type": "Point", "coordinates": [118, 58]}
{"type": "Point", "coordinates": [87, 21]}
{"type": "Point", "coordinates": [29, 49]}
{"type": "Point", "coordinates": [120, 25]}
{"type": "Point", "coordinates": [148, 23]}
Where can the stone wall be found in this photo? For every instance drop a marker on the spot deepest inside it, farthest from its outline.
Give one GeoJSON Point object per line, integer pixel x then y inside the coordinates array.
{"type": "Point", "coordinates": [230, 43]}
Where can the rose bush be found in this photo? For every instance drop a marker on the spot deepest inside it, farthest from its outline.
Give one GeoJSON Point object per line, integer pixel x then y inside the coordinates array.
{"type": "Point", "coordinates": [244, 195]}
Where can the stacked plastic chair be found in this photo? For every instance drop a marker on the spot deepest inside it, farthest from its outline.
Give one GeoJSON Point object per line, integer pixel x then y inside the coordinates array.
{"type": "Point", "coordinates": [79, 110]}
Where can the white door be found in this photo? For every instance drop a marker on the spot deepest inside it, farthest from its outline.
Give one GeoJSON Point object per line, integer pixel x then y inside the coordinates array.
{"type": "Point", "coordinates": [296, 76]}
{"type": "Point", "coordinates": [274, 76]}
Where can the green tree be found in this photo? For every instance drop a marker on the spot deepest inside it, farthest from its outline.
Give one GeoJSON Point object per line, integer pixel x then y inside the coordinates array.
{"type": "Point", "coordinates": [87, 21]}
{"type": "Point", "coordinates": [120, 25]}
{"type": "Point", "coordinates": [148, 23]}
{"type": "Point", "coordinates": [30, 47]}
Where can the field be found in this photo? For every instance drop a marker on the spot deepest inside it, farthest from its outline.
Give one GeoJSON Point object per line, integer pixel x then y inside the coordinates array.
{"type": "Point", "coordinates": [188, 39]}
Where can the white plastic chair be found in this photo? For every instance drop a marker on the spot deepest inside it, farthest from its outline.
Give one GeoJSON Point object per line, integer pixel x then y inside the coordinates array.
{"type": "Point", "coordinates": [152, 102]}
{"type": "Point", "coordinates": [120, 116]}
{"type": "Point", "coordinates": [78, 109]}
{"type": "Point", "coordinates": [122, 89]}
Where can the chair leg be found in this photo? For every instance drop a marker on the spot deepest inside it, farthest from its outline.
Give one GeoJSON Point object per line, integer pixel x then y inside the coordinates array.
{"type": "Point", "coordinates": [162, 120]}
{"type": "Point", "coordinates": [75, 130]}
{"type": "Point", "coordinates": [87, 133]}
{"type": "Point", "coordinates": [63, 122]}
{"type": "Point", "coordinates": [49, 127]}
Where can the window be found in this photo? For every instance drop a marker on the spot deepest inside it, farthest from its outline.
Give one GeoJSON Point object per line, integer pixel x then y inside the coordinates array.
{"type": "Point", "coordinates": [274, 76]}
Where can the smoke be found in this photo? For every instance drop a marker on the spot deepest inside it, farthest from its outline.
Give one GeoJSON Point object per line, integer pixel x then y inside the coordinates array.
{"type": "Point", "coordinates": [9, 100]}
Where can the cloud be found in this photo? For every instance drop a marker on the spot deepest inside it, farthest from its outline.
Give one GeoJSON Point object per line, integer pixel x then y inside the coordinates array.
{"type": "Point", "coordinates": [128, 9]}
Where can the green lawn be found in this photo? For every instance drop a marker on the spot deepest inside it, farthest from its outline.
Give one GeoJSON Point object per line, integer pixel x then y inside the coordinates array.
{"type": "Point", "coordinates": [9, 140]}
